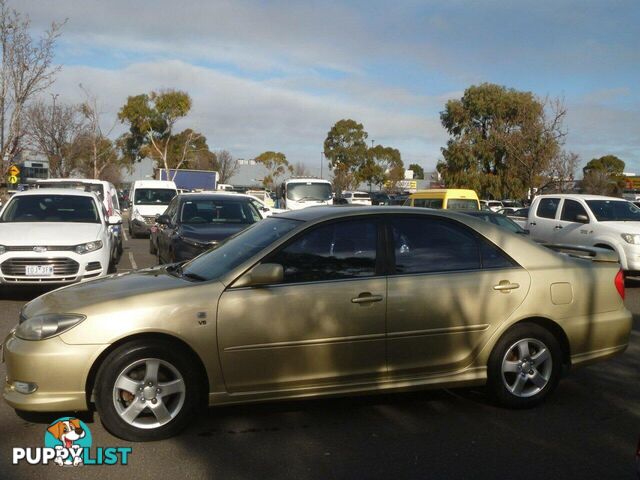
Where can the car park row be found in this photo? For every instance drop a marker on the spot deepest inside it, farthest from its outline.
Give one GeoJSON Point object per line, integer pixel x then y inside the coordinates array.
{"type": "Point", "coordinates": [327, 300]}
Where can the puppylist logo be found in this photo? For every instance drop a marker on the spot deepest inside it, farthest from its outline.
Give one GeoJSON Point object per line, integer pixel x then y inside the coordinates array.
{"type": "Point", "coordinates": [67, 442]}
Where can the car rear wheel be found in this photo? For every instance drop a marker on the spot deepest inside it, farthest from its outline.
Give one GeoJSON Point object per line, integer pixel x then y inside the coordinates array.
{"type": "Point", "coordinates": [146, 390]}
{"type": "Point", "coordinates": [524, 366]}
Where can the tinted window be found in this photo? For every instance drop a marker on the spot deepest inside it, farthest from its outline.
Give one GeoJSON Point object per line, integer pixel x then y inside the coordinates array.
{"type": "Point", "coordinates": [547, 207]}
{"type": "Point", "coordinates": [462, 204]}
{"type": "Point", "coordinates": [52, 208]}
{"type": "Point", "coordinates": [432, 245]}
{"type": "Point", "coordinates": [330, 252]}
{"type": "Point", "coordinates": [425, 245]}
{"type": "Point", "coordinates": [428, 202]}
{"type": "Point", "coordinates": [571, 209]}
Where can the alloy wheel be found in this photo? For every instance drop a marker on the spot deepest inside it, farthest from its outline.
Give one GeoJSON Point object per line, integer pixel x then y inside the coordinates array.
{"type": "Point", "coordinates": [526, 367]}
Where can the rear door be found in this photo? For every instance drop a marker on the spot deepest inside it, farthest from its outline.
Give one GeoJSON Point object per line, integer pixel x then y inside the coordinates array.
{"type": "Point", "coordinates": [542, 219]}
{"type": "Point", "coordinates": [448, 291]}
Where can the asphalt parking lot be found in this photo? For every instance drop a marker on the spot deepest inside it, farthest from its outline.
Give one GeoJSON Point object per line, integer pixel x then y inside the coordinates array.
{"type": "Point", "coordinates": [588, 429]}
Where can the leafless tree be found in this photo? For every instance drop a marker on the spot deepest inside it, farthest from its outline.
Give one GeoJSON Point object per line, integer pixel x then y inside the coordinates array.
{"type": "Point", "coordinates": [560, 175]}
{"type": "Point", "coordinates": [53, 130]}
{"type": "Point", "coordinates": [26, 70]}
{"type": "Point", "coordinates": [227, 166]}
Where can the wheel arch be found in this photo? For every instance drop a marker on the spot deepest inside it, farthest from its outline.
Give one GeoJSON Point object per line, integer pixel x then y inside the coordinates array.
{"type": "Point", "coordinates": [95, 367]}
{"type": "Point", "coordinates": [552, 327]}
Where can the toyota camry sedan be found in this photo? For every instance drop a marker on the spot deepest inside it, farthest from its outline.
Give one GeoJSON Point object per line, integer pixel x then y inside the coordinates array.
{"type": "Point", "coordinates": [317, 302]}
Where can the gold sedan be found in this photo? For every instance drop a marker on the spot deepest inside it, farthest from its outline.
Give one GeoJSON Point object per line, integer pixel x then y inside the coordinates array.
{"type": "Point", "coordinates": [316, 302]}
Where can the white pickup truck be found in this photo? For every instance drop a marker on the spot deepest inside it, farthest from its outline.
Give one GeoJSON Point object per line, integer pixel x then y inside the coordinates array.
{"type": "Point", "coordinates": [590, 221]}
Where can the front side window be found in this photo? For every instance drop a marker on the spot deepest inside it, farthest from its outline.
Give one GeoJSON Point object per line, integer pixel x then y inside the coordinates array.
{"type": "Point", "coordinates": [570, 211]}
{"type": "Point", "coordinates": [428, 202]}
{"type": "Point", "coordinates": [425, 245]}
{"type": "Point", "coordinates": [547, 207]}
{"type": "Point", "coordinates": [153, 196]}
{"type": "Point", "coordinates": [52, 208]}
{"type": "Point", "coordinates": [330, 252]}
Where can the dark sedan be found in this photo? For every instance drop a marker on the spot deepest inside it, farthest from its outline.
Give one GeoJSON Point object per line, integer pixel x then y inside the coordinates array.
{"type": "Point", "coordinates": [196, 222]}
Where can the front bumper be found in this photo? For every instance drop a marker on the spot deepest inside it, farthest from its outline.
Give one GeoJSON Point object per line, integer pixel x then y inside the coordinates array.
{"type": "Point", "coordinates": [69, 266]}
{"type": "Point", "coordinates": [59, 370]}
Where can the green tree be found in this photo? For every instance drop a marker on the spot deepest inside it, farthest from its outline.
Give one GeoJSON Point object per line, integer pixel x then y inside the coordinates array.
{"type": "Point", "coordinates": [604, 176]}
{"type": "Point", "coordinates": [151, 119]}
{"type": "Point", "coordinates": [418, 171]}
{"type": "Point", "coordinates": [346, 150]}
{"type": "Point", "coordinates": [383, 165]}
{"type": "Point", "coordinates": [502, 140]}
{"type": "Point", "coordinates": [276, 163]}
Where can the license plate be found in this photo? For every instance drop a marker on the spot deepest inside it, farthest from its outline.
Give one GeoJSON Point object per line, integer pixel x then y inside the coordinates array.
{"type": "Point", "coordinates": [39, 270]}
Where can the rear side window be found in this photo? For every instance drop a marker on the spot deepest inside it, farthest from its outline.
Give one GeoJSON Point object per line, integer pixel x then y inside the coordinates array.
{"type": "Point", "coordinates": [425, 245]}
{"type": "Point", "coordinates": [547, 207]}
{"type": "Point", "coordinates": [428, 202]}
{"type": "Point", "coordinates": [571, 209]}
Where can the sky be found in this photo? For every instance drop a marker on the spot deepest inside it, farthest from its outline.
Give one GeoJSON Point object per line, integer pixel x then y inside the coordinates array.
{"type": "Point", "coordinates": [276, 75]}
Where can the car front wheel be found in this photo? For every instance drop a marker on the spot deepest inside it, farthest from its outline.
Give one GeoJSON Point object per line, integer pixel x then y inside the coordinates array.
{"type": "Point", "coordinates": [524, 366]}
{"type": "Point", "coordinates": [146, 390]}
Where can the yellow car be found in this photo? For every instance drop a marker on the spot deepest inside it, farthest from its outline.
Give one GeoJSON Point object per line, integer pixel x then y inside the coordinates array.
{"type": "Point", "coordinates": [317, 302]}
{"type": "Point", "coordinates": [445, 198]}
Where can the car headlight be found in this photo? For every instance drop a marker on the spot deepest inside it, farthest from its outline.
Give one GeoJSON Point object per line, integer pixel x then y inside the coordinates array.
{"type": "Point", "coordinates": [197, 243]}
{"type": "Point", "coordinates": [2, 249]}
{"type": "Point", "coordinates": [47, 325]}
{"type": "Point", "coordinates": [89, 247]}
{"type": "Point", "coordinates": [136, 215]}
{"type": "Point", "coordinates": [633, 238]}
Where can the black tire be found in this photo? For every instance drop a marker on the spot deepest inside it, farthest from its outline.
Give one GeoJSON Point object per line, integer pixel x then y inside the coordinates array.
{"type": "Point", "coordinates": [507, 350]}
{"type": "Point", "coordinates": [126, 355]}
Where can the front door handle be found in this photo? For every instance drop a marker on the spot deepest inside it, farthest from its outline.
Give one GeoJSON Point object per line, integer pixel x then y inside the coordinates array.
{"type": "Point", "coordinates": [366, 297]}
{"type": "Point", "coordinates": [505, 286]}
{"type": "Point", "coordinates": [532, 223]}
{"type": "Point", "coordinates": [558, 227]}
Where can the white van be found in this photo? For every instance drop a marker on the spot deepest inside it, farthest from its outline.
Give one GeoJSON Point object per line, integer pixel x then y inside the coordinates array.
{"type": "Point", "coordinates": [148, 198]}
{"type": "Point", "coordinates": [357, 198]}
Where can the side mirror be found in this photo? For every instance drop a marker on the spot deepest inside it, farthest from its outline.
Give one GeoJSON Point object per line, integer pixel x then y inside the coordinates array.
{"type": "Point", "coordinates": [263, 274]}
{"type": "Point", "coordinates": [114, 220]}
{"type": "Point", "coordinates": [582, 219]}
{"type": "Point", "coordinates": [163, 219]}
{"type": "Point", "coordinates": [265, 209]}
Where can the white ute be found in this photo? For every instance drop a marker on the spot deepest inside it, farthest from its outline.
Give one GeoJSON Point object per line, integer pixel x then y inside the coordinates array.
{"type": "Point", "coordinates": [591, 221]}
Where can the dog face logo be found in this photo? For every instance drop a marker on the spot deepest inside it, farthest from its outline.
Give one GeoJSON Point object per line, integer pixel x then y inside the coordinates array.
{"type": "Point", "coordinates": [69, 436]}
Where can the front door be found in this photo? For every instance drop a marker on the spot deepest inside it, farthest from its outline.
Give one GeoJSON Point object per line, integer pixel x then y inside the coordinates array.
{"type": "Point", "coordinates": [449, 291]}
{"type": "Point", "coordinates": [569, 230]}
{"type": "Point", "coordinates": [323, 325]}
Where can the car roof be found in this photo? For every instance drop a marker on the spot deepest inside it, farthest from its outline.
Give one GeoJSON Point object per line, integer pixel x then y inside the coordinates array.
{"type": "Point", "coordinates": [72, 180]}
{"type": "Point", "coordinates": [582, 196]}
{"type": "Point", "coordinates": [213, 195]}
{"type": "Point", "coordinates": [56, 191]}
{"type": "Point", "coordinates": [153, 183]}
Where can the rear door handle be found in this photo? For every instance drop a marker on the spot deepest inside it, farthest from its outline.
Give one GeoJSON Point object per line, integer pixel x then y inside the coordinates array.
{"type": "Point", "coordinates": [532, 223]}
{"type": "Point", "coordinates": [558, 227]}
{"type": "Point", "coordinates": [505, 286]}
{"type": "Point", "coordinates": [367, 298]}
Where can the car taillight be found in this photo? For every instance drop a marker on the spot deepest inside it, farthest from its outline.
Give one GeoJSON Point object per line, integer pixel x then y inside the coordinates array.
{"type": "Point", "coordinates": [620, 283]}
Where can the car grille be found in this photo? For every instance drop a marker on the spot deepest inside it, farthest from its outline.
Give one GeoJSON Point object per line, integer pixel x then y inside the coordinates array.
{"type": "Point", "coordinates": [29, 248]}
{"type": "Point", "coordinates": [93, 266]}
{"type": "Point", "coordinates": [149, 220]}
{"type": "Point", "coordinates": [15, 267]}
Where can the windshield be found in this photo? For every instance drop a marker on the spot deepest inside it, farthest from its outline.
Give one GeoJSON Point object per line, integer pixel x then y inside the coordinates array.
{"type": "Point", "coordinates": [153, 196]}
{"type": "Point", "coordinates": [308, 191]}
{"type": "Point", "coordinates": [462, 204]}
{"type": "Point", "coordinates": [238, 249]}
{"type": "Point", "coordinates": [219, 211]}
{"type": "Point", "coordinates": [51, 208]}
{"type": "Point", "coordinates": [614, 210]}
